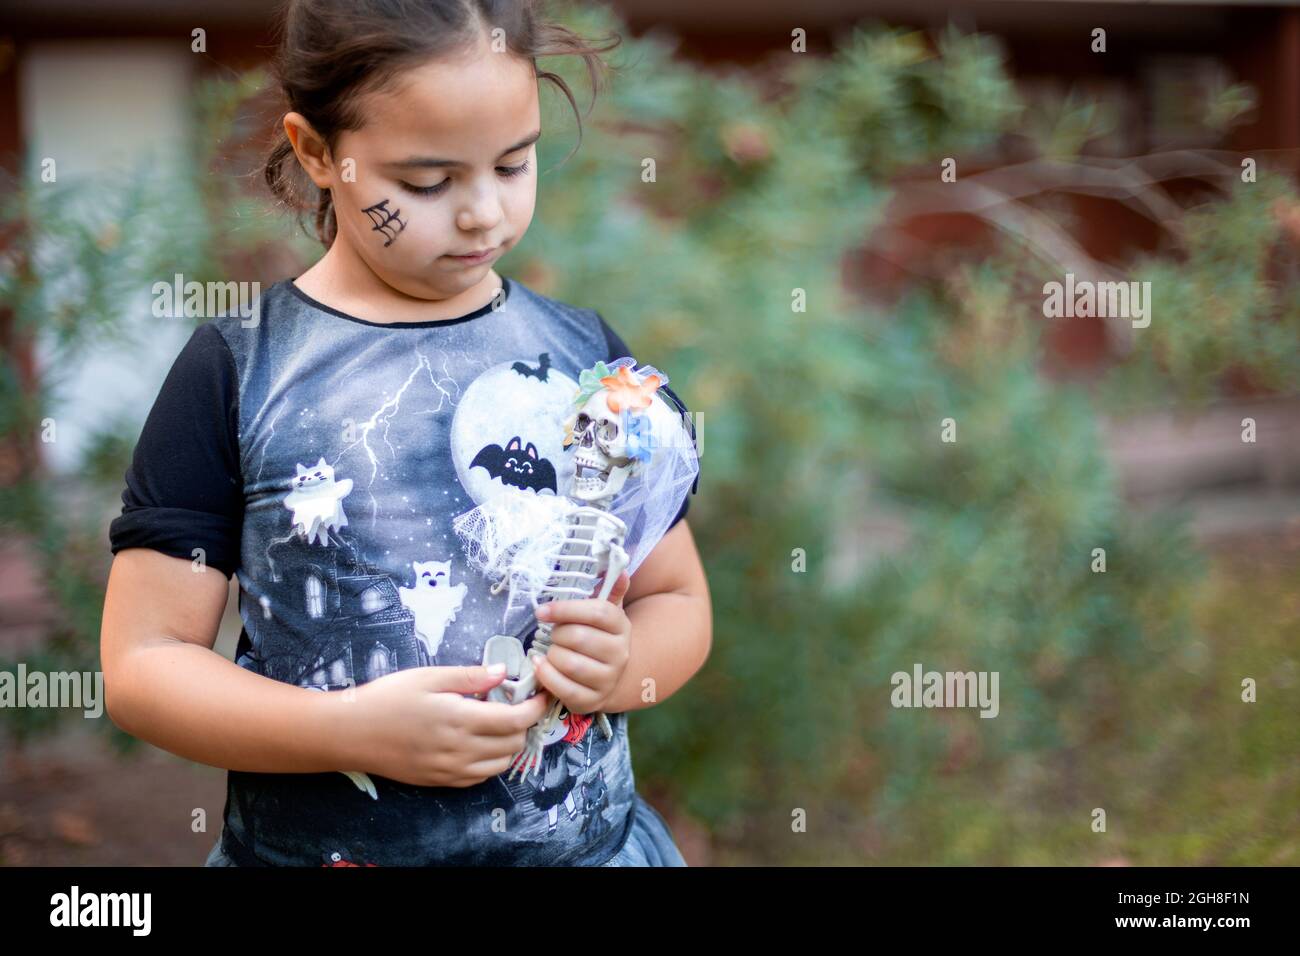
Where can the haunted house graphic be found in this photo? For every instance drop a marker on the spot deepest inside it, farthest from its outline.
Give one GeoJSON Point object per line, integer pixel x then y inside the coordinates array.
{"type": "Point", "coordinates": [354, 627]}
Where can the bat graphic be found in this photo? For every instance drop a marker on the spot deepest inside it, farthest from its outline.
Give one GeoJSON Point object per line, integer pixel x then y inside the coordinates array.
{"type": "Point", "coordinates": [517, 467]}
{"type": "Point", "coordinates": [541, 373]}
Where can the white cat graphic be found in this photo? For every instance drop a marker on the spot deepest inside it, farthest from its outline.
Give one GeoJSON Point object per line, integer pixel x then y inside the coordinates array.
{"type": "Point", "coordinates": [317, 502]}
{"type": "Point", "coordinates": [433, 601]}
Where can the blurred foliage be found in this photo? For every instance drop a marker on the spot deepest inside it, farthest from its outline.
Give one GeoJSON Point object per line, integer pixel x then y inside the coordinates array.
{"type": "Point", "coordinates": [1229, 304]}
{"type": "Point", "coordinates": [707, 216]}
{"type": "Point", "coordinates": [1063, 125]}
{"type": "Point", "coordinates": [895, 100]}
{"type": "Point", "coordinates": [756, 197]}
{"type": "Point", "coordinates": [83, 255]}
{"type": "Point", "coordinates": [79, 251]}
{"type": "Point", "coordinates": [1230, 104]}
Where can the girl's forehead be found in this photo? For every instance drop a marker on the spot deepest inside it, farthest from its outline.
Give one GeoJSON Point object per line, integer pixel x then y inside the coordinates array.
{"type": "Point", "coordinates": [467, 105]}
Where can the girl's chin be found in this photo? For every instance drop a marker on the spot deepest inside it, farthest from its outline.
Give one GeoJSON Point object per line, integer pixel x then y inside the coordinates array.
{"type": "Point", "coordinates": [434, 284]}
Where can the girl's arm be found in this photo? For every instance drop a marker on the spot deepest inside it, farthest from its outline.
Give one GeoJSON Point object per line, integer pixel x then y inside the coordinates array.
{"type": "Point", "coordinates": [164, 683]}
{"type": "Point", "coordinates": [671, 612]}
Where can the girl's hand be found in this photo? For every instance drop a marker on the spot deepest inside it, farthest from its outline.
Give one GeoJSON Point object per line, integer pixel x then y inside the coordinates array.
{"type": "Point", "coordinates": [419, 727]}
{"type": "Point", "coordinates": [590, 647]}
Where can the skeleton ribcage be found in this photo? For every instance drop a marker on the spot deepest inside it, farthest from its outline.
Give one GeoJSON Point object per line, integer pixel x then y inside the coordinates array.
{"type": "Point", "coordinates": [579, 562]}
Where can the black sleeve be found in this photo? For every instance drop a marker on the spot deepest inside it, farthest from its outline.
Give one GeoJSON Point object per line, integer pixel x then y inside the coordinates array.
{"type": "Point", "coordinates": [184, 488]}
{"type": "Point", "coordinates": [617, 348]}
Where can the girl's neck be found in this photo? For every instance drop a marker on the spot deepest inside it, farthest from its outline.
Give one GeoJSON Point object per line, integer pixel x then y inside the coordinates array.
{"type": "Point", "coordinates": [341, 280]}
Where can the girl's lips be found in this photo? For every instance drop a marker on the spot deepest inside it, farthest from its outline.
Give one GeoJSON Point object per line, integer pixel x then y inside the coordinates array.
{"type": "Point", "coordinates": [470, 260]}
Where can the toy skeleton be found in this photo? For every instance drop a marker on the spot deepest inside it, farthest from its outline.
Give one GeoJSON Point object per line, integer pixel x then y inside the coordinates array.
{"type": "Point", "coordinates": [593, 546]}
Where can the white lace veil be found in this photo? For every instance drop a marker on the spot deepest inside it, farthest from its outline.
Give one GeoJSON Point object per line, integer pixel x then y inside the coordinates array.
{"type": "Point", "coordinates": [512, 536]}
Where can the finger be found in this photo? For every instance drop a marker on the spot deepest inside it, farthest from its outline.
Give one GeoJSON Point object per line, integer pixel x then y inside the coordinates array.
{"type": "Point", "coordinates": [620, 588]}
{"type": "Point", "coordinates": [462, 680]}
{"type": "Point", "coordinates": [599, 614]}
{"type": "Point", "coordinates": [494, 718]}
{"type": "Point", "coordinates": [505, 764]}
{"type": "Point", "coordinates": [526, 713]}
{"type": "Point", "coordinates": [579, 668]}
{"type": "Point", "coordinates": [475, 749]}
{"type": "Point", "coordinates": [485, 769]}
{"type": "Point", "coordinates": [494, 748]}
{"type": "Point", "coordinates": [574, 695]}
{"type": "Point", "coordinates": [589, 641]}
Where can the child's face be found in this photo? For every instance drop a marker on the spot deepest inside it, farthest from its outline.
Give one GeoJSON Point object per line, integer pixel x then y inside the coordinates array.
{"type": "Point", "coordinates": [405, 215]}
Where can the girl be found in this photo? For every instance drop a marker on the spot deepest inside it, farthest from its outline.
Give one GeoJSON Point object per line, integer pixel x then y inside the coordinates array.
{"type": "Point", "coordinates": [322, 451]}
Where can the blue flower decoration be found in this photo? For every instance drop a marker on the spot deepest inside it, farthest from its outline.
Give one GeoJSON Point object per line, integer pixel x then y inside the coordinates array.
{"type": "Point", "coordinates": [640, 437]}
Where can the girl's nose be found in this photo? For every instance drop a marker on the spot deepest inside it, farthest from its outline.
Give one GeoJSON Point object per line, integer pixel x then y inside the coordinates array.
{"type": "Point", "coordinates": [482, 212]}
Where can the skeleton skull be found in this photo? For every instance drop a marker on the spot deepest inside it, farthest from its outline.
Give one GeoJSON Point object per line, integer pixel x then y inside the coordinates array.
{"type": "Point", "coordinates": [601, 463]}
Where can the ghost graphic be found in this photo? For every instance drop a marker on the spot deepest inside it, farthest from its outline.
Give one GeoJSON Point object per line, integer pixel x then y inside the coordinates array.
{"type": "Point", "coordinates": [433, 601]}
{"type": "Point", "coordinates": [316, 501]}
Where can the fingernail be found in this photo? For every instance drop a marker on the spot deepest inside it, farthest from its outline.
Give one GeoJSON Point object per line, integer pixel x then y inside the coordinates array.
{"type": "Point", "coordinates": [496, 670]}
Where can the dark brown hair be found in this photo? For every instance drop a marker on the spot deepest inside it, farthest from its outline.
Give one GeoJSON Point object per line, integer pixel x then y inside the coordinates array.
{"type": "Point", "coordinates": [331, 51]}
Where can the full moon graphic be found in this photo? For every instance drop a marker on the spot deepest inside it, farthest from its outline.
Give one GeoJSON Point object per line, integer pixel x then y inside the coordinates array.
{"type": "Point", "coordinates": [522, 399]}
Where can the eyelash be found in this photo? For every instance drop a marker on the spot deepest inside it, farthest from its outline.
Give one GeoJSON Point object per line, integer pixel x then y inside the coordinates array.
{"type": "Point", "coordinates": [509, 172]}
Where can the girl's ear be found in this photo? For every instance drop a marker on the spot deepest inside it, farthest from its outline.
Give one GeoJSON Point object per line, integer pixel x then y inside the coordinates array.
{"type": "Point", "coordinates": [310, 149]}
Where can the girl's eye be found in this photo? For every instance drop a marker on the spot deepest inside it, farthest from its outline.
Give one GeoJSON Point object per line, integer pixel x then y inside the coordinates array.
{"type": "Point", "coordinates": [509, 171]}
{"type": "Point", "coordinates": [425, 190]}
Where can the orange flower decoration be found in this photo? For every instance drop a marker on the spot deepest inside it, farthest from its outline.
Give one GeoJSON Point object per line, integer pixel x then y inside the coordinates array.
{"type": "Point", "coordinates": [626, 392]}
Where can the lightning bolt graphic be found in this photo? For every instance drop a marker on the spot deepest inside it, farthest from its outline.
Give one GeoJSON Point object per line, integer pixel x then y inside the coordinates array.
{"type": "Point", "coordinates": [382, 418]}
{"type": "Point", "coordinates": [267, 443]}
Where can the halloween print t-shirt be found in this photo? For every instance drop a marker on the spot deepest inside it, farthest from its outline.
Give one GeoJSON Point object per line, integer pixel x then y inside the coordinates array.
{"type": "Point", "coordinates": [321, 459]}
